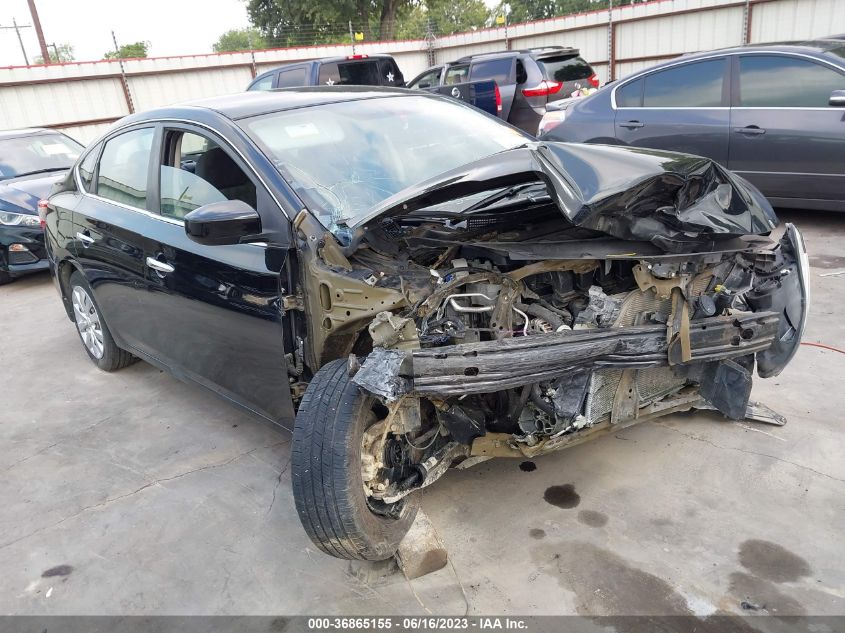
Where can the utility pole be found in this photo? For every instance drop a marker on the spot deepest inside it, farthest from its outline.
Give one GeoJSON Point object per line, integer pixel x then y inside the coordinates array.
{"type": "Point", "coordinates": [352, 37]}
{"type": "Point", "coordinates": [124, 80]}
{"type": "Point", "coordinates": [17, 27]}
{"type": "Point", "coordinates": [40, 33]}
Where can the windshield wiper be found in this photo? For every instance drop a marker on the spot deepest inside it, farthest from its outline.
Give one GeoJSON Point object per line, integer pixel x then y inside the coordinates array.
{"type": "Point", "coordinates": [40, 171]}
{"type": "Point", "coordinates": [510, 192]}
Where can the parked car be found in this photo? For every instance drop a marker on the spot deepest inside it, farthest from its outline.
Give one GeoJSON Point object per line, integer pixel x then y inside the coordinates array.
{"type": "Point", "coordinates": [772, 113]}
{"type": "Point", "coordinates": [371, 70]}
{"type": "Point", "coordinates": [31, 161]}
{"type": "Point", "coordinates": [527, 79]}
{"type": "Point", "coordinates": [420, 282]}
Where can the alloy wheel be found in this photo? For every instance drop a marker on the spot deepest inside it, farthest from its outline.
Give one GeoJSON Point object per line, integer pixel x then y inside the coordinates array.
{"type": "Point", "coordinates": [88, 322]}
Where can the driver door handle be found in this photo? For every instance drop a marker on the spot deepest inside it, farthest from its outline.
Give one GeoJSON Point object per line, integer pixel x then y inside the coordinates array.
{"type": "Point", "coordinates": [161, 267]}
{"type": "Point", "coordinates": [632, 124]}
{"type": "Point", "coordinates": [86, 240]}
{"type": "Point", "coordinates": [750, 130]}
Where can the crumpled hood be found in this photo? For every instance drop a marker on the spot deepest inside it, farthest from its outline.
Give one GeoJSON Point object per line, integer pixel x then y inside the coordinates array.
{"type": "Point", "coordinates": [21, 195]}
{"type": "Point", "coordinates": [672, 200]}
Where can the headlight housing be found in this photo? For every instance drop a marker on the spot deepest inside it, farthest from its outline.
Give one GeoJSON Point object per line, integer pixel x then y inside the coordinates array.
{"type": "Point", "coordinates": [551, 119]}
{"type": "Point", "coordinates": [7, 218]}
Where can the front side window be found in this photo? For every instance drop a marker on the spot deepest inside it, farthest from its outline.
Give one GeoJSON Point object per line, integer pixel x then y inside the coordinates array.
{"type": "Point", "coordinates": [342, 159]}
{"type": "Point", "coordinates": [265, 83]}
{"type": "Point", "coordinates": [86, 168]}
{"type": "Point", "coordinates": [780, 81]}
{"type": "Point", "coordinates": [693, 85]}
{"type": "Point", "coordinates": [291, 78]}
{"type": "Point", "coordinates": [122, 175]}
{"type": "Point", "coordinates": [37, 154]}
{"type": "Point", "coordinates": [197, 171]}
{"type": "Point", "coordinates": [499, 70]}
{"type": "Point", "coordinates": [428, 80]}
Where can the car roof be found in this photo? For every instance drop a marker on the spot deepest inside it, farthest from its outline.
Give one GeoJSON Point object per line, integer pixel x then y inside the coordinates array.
{"type": "Point", "coordinates": [324, 60]}
{"type": "Point", "coordinates": [248, 104]}
{"type": "Point", "coordinates": [813, 47]}
{"type": "Point", "coordinates": [27, 131]}
{"type": "Point", "coordinates": [540, 51]}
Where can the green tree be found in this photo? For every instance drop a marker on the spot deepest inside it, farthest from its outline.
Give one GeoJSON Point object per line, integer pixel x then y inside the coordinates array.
{"type": "Point", "coordinates": [60, 53]}
{"type": "Point", "coordinates": [129, 51]}
{"type": "Point", "coordinates": [443, 16]}
{"type": "Point", "coordinates": [239, 40]}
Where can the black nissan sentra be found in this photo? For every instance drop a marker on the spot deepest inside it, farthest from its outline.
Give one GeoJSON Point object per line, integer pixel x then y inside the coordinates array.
{"type": "Point", "coordinates": [407, 284]}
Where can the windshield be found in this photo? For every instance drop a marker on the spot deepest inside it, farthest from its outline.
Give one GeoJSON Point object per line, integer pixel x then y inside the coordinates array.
{"type": "Point", "coordinates": [345, 158]}
{"type": "Point", "coordinates": [38, 153]}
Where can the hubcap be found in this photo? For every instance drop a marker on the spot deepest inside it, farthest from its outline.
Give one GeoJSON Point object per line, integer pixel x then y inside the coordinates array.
{"type": "Point", "coordinates": [88, 322]}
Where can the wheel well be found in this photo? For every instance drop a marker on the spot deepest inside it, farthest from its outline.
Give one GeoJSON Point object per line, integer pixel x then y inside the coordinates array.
{"type": "Point", "coordinates": [65, 270]}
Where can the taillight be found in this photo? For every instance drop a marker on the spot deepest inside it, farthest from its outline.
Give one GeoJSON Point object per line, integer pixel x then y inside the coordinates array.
{"type": "Point", "coordinates": [42, 212]}
{"type": "Point", "coordinates": [498, 99]}
{"type": "Point", "coordinates": [543, 89]}
{"type": "Point", "coordinates": [594, 80]}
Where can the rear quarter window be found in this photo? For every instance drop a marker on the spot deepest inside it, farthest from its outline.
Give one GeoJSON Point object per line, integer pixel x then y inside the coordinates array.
{"type": "Point", "coordinates": [291, 78]}
{"type": "Point", "coordinates": [564, 68]}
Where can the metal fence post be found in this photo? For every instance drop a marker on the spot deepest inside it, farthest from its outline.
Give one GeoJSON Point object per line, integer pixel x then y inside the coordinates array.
{"type": "Point", "coordinates": [124, 81]}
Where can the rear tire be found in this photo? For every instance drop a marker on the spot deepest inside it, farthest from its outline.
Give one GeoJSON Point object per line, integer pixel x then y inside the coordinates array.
{"type": "Point", "coordinates": [92, 329]}
{"type": "Point", "coordinates": [328, 485]}
{"type": "Point", "coordinates": [4, 277]}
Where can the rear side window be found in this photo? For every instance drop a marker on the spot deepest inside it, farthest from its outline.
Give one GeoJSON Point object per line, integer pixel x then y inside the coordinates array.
{"type": "Point", "coordinates": [630, 95]}
{"type": "Point", "coordinates": [263, 84]}
{"type": "Point", "coordinates": [122, 176]}
{"type": "Point", "coordinates": [291, 78]}
{"type": "Point", "coordinates": [694, 85]}
{"type": "Point", "coordinates": [498, 70]}
{"type": "Point", "coordinates": [456, 75]}
{"type": "Point", "coordinates": [86, 168]}
{"type": "Point", "coordinates": [786, 82]}
{"type": "Point", "coordinates": [564, 68]}
{"type": "Point", "coordinates": [351, 73]}
{"type": "Point", "coordinates": [390, 73]}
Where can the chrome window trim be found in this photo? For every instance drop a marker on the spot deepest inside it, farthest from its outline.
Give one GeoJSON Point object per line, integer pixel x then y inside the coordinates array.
{"type": "Point", "coordinates": [643, 73]}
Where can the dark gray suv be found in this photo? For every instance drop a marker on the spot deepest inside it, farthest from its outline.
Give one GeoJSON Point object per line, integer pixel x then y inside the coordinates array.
{"type": "Point", "coordinates": [527, 79]}
{"type": "Point", "coordinates": [774, 114]}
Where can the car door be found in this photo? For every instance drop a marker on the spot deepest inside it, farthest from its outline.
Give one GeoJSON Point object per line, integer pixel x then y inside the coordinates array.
{"type": "Point", "coordinates": [785, 137]}
{"type": "Point", "coordinates": [108, 236]}
{"type": "Point", "coordinates": [683, 108]}
{"type": "Point", "coordinates": [215, 311]}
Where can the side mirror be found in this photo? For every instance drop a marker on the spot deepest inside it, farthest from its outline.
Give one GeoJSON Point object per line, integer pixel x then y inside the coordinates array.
{"type": "Point", "coordinates": [219, 223]}
{"type": "Point", "coordinates": [837, 98]}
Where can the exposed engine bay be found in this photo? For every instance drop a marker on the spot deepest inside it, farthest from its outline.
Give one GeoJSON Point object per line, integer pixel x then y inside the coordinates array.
{"type": "Point", "coordinates": [506, 332]}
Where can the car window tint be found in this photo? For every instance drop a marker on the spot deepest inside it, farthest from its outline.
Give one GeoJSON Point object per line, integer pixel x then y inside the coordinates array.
{"type": "Point", "coordinates": [263, 84]}
{"type": "Point", "coordinates": [197, 171]}
{"type": "Point", "coordinates": [564, 68]}
{"type": "Point", "coordinates": [428, 80]}
{"type": "Point", "coordinates": [786, 82]}
{"type": "Point", "coordinates": [86, 167]}
{"type": "Point", "coordinates": [630, 95]}
{"type": "Point", "coordinates": [390, 73]}
{"type": "Point", "coordinates": [694, 85]}
{"type": "Point", "coordinates": [122, 176]}
{"type": "Point", "coordinates": [291, 78]}
{"type": "Point", "coordinates": [456, 75]}
{"type": "Point", "coordinates": [521, 73]}
{"type": "Point", "coordinates": [498, 70]}
{"type": "Point", "coordinates": [352, 73]}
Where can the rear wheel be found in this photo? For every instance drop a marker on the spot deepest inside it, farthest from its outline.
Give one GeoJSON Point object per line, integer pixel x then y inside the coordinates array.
{"type": "Point", "coordinates": [326, 469]}
{"type": "Point", "coordinates": [93, 332]}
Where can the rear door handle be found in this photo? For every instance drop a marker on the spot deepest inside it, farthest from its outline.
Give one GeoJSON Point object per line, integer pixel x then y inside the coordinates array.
{"type": "Point", "coordinates": [750, 130]}
{"type": "Point", "coordinates": [86, 240]}
{"type": "Point", "coordinates": [632, 124]}
{"type": "Point", "coordinates": [158, 266]}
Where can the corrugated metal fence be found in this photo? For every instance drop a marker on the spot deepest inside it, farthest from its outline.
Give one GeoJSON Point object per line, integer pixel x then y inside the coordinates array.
{"type": "Point", "coordinates": [84, 98]}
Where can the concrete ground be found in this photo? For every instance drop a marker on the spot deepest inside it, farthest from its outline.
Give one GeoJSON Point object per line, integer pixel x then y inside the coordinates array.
{"type": "Point", "coordinates": [132, 493]}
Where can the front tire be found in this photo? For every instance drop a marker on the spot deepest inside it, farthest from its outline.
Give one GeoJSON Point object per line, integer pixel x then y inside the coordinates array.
{"type": "Point", "coordinates": [328, 485]}
{"type": "Point", "coordinates": [92, 329]}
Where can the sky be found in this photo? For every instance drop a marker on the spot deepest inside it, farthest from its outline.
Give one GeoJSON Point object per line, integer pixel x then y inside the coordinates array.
{"type": "Point", "coordinates": [173, 27]}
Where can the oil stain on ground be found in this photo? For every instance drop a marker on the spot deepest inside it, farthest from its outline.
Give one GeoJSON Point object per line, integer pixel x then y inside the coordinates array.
{"type": "Point", "coordinates": [562, 496]}
{"type": "Point", "coordinates": [537, 533]}
{"type": "Point", "coordinates": [771, 561]}
{"type": "Point", "coordinates": [592, 518]}
{"type": "Point", "coordinates": [59, 570]}
{"type": "Point", "coordinates": [527, 467]}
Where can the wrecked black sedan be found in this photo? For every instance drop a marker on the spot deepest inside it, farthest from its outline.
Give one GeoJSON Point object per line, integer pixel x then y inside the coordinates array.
{"type": "Point", "coordinates": [409, 285]}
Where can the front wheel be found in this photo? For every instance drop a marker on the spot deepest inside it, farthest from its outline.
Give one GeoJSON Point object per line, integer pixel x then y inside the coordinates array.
{"type": "Point", "coordinates": [326, 470]}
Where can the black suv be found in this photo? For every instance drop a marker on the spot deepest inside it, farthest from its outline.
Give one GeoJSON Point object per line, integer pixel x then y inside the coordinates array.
{"type": "Point", "coordinates": [527, 79]}
{"type": "Point", "coordinates": [352, 70]}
